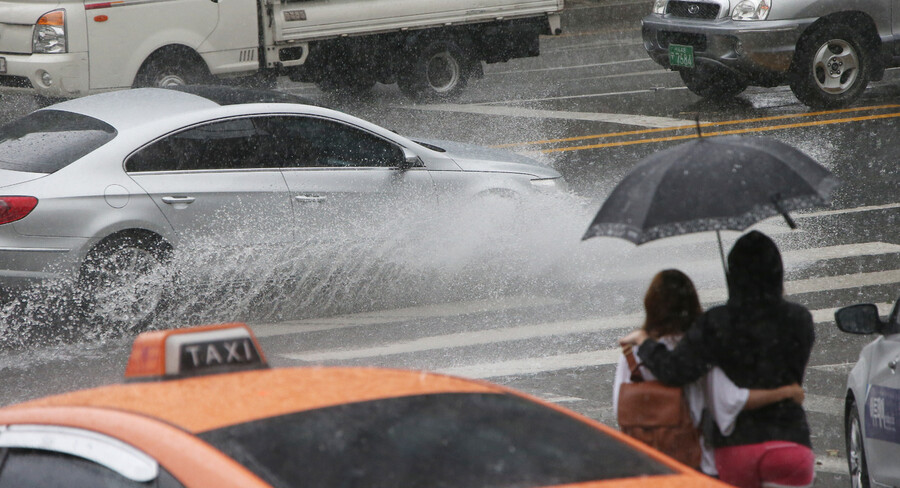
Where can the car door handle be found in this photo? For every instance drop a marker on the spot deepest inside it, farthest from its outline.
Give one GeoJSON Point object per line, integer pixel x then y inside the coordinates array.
{"type": "Point", "coordinates": [893, 364]}
{"type": "Point", "coordinates": [309, 198]}
{"type": "Point", "coordinates": [177, 200]}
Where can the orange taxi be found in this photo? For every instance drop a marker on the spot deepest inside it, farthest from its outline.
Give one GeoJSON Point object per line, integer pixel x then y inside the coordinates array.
{"type": "Point", "coordinates": [200, 407]}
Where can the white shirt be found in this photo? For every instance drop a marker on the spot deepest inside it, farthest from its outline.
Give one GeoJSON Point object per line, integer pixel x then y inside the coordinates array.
{"type": "Point", "coordinates": [714, 392]}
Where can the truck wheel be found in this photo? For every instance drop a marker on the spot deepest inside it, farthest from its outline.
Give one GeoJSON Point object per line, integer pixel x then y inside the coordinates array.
{"type": "Point", "coordinates": [164, 71]}
{"type": "Point", "coordinates": [831, 70]}
{"type": "Point", "coordinates": [716, 85]}
{"type": "Point", "coordinates": [856, 453]}
{"type": "Point", "coordinates": [439, 71]}
{"type": "Point", "coordinates": [121, 280]}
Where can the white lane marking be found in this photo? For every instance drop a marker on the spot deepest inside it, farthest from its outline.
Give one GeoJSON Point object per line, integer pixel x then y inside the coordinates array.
{"type": "Point", "coordinates": [842, 282]}
{"type": "Point", "coordinates": [832, 465]}
{"type": "Point", "coordinates": [841, 368]}
{"type": "Point", "coordinates": [562, 399]}
{"type": "Point", "coordinates": [790, 258]}
{"type": "Point", "coordinates": [651, 72]}
{"type": "Point", "coordinates": [508, 334]}
{"type": "Point", "coordinates": [825, 283]}
{"type": "Point", "coordinates": [625, 119]}
{"type": "Point", "coordinates": [464, 339]}
{"type": "Point", "coordinates": [573, 97]}
{"type": "Point", "coordinates": [577, 66]}
{"type": "Point", "coordinates": [397, 315]}
{"type": "Point", "coordinates": [534, 365]}
{"type": "Point", "coordinates": [842, 211]}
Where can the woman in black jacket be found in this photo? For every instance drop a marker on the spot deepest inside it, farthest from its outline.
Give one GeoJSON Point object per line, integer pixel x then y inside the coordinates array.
{"type": "Point", "coordinates": [760, 341]}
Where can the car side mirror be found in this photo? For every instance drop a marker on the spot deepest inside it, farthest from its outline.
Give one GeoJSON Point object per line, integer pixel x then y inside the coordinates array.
{"type": "Point", "coordinates": [859, 319]}
{"type": "Point", "coordinates": [410, 160]}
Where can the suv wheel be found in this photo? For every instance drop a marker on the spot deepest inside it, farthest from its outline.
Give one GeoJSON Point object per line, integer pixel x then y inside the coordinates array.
{"type": "Point", "coordinates": [831, 69]}
{"type": "Point", "coordinates": [718, 84]}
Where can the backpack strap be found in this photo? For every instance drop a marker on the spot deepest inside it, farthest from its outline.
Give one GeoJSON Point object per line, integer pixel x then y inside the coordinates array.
{"type": "Point", "coordinates": [634, 367]}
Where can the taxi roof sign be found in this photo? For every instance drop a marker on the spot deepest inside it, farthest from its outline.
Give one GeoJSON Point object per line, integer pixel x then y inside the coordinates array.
{"type": "Point", "coordinates": [196, 350]}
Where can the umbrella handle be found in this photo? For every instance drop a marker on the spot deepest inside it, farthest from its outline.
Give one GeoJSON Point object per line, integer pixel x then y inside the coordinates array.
{"type": "Point", "coordinates": [787, 218]}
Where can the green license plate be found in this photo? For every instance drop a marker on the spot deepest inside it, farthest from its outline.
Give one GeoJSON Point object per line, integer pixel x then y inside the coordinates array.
{"type": "Point", "coordinates": [680, 55]}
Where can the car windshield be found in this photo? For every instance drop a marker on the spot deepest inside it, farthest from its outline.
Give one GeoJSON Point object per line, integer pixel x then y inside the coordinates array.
{"type": "Point", "coordinates": [446, 440]}
{"type": "Point", "coordinates": [49, 140]}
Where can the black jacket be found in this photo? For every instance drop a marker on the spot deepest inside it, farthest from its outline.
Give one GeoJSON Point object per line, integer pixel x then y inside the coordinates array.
{"type": "Point", "coordinates": [758, 339]}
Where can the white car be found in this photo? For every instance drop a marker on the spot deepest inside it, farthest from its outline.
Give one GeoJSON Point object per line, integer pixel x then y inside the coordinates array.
{"type": "Point", "coordinates": [104, 188]}
{"type": "Point", "coordinates": [872, 416]}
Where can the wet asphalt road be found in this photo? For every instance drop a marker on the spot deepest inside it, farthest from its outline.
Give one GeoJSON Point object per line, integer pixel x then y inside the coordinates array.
{"type": "Point", "coordinates": [542, 314]}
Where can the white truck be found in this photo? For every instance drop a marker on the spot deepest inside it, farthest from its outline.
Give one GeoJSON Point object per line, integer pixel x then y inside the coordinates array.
{"type": "Point", "coordinates": [69, 48]}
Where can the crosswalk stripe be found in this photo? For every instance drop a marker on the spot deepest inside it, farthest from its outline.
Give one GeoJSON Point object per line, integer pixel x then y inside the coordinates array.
{"type": "Point", "coordinates": [791, 258]}
{"type": "Point", "coordinates": [397, 315]}
{"type": "Point", "coordinates": [519, 366]}
{"type": "Point", "coordinates": [824, 283]}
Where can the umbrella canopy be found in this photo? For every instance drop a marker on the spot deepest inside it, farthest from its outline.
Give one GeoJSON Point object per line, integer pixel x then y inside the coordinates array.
{"type": "Point", "coordinates": [711, 183]}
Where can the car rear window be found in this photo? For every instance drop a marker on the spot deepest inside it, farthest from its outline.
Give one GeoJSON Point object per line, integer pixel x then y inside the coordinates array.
{"type": "Point", "coordinates": [49, 140]}
{"type": "Point", "coordinates": [446, 440]}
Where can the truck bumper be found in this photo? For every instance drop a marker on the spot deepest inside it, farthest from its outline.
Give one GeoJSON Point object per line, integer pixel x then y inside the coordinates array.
{"type": "Point", "coordinates": [50, 75]}
{"type": "Point", "coordinates": [759, 52]}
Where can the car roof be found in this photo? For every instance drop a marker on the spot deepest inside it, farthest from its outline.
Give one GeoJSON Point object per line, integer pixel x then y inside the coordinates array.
{"type": "Point", "coordinates": [128, 108]}
{"type": "Point", "coordinates": [203, 403]}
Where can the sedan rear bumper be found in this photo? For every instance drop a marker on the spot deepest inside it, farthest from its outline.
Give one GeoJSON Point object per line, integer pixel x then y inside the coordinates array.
{"type": "Point", "coordinates": [31, 260]}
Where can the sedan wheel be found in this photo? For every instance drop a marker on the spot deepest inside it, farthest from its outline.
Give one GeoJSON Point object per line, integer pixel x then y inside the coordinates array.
{"type": "Point", "coordinates": [856, 454]}
{"type": "Point", "coordinates": [122, 278]}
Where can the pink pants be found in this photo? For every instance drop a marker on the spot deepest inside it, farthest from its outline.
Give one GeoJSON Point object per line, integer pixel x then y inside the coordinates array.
{"type": "Point", "coordinates": [767, 464]}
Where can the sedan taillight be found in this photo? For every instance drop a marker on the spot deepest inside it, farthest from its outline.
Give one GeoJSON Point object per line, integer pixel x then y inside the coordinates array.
{"type": "Point", "coordinates": [14, 208]}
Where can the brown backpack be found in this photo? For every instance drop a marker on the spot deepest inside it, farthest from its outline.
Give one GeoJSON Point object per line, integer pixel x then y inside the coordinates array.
{"type": "Point", "coordinates": [658, 415]}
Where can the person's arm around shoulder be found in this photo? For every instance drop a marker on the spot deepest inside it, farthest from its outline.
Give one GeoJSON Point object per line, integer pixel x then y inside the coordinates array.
{"type": "Point", "coordinates": [761, 398]}
{"type": "Point", "coordinates": [686, 363]}
{"type": "Point", "coordinates": [726, 400]}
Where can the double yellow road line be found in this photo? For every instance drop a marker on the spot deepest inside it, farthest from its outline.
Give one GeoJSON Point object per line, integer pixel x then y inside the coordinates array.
{"type": "Point", "coordinates": [756, 125]}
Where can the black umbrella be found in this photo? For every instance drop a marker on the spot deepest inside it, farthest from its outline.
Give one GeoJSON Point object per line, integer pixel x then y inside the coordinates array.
{"type": "Point", "coordinates": [712, 183]}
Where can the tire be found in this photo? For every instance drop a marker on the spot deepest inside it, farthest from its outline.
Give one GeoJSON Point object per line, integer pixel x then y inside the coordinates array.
{"type": "Point", "coordinates": [167, 70]}
{"type": "Point", "coordinates": [121, 280]}
{"type": "Point", "coordinates": [718, 84]}
{"type": "Point", "coordinates": [830, 68]}
{"type": "Point", "coordinates": [856, 453]}
{"type": "Point", "coordinates": [439, 70]}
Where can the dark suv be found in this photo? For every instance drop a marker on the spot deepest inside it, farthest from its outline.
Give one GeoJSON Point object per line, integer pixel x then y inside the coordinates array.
{"type": "Point", "coordinates": [827, 50]}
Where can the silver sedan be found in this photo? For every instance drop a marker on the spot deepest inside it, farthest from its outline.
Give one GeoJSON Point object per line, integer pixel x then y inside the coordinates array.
{"type": "Point", "coordinates": [103, 189]}
{"type": "Point", "coordinates": [872, 416]}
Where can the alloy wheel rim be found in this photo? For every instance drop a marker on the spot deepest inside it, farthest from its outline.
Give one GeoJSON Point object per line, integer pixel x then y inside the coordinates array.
{"type": "Point", "coordinates": [443, 72]}
{"type": "Point", "coordinates": [836, 66]}
{"type": "Point", "coordinates": [170, 80]}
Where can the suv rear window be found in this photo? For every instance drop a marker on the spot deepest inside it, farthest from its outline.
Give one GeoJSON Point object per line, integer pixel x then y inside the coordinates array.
{"type": "Point", "coordinates": [49, 140]}
{"type": "Point", "coordinates": [452, 440]}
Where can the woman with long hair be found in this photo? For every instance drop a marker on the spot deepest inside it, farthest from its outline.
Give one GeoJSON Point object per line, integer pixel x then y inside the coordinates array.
{"type": "Point", "coordinates": [671, 306]}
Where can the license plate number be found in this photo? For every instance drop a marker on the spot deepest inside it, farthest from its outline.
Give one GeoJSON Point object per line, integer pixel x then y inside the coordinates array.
{"type": "Point", "coordinates": [2, 65]}
{"type": "Point", "coordinates": [680, 55]}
